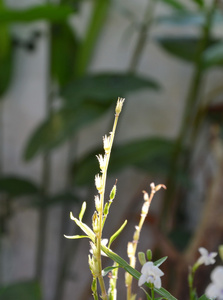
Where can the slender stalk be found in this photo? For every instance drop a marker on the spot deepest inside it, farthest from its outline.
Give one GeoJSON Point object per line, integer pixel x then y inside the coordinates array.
{"type": "Point", "coordinates": [132, 246]}
{"type": "Point", "coordinates": [142, 36]}
{"type": "Point", "coordinates": [187, 120]}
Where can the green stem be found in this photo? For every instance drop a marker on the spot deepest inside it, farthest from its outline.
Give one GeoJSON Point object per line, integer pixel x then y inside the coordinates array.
{"type": "Point", "coordinates": [187, 120]}
{"type": "Point", "coordinates": [142, 36]}
{"type": "Point", "coordinates": [152, 293]}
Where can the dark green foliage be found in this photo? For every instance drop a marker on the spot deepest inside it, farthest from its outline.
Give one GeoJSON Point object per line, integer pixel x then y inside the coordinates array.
{"type": "Point", "coordinates": [16, 186]}
{"type": "Point", "coordinates": [151, 155]}
{"type": "Point", "coordinates": [63, 53]}
{"type": "Point", "coordinates": [21, 291]}
{"type": "Point", "coordinates": [106, 86]}
{"type": "Point", "coordinates": [41, 12]}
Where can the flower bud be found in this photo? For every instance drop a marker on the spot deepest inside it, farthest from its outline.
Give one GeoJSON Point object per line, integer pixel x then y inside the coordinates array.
{"type": "Point", "coordinates": [119, 104]}
{"type": "Point", "coordinates": [142, 258]}
{"type": "Point", "coordinates": [149, 255]}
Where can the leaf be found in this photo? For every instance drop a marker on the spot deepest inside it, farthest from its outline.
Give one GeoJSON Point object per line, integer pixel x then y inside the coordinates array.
{"type": "Point", "coordinates": [151, 155]}
{"type": "Point", "coordinates": [85, 228]}
{"type": "Point", "coordinates": [60, 126]}
{"type": "Point", "coordinates": [105, 86]}
{"type": "Point", "coordinates": [213, 56]}
{"type": "Point", "coordinates": [200, 3]}
{"type": "Point", "coordinates": [76, 237]}
{"type": "Point", "coordinates": [63, 53]}
{"type": "Point", "coordinates": [83, 208]}
{"type": "Point", "coordinates": [40, 12]}
{"type": "Point", "coordinates": [29, 290]}
{"type": "Point", "coordinates": [116, 234]}
{"type": "Point", "coordinates": [107, 270]}
{"type": "Point", "coordinates": [160, 261]}
{"type": "Point", "coordinates": [182, 47]}
{"type": "Point", "coordinates": [122, 263]}
{"type": "Point", "coordinates": [17, 186]}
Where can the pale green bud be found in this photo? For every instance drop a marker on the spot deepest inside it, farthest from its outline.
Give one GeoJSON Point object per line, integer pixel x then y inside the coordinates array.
{"type": "Point", "coordinates": [119, 105]}
{"type": "Point", "coordinates": [142, 258]}
{"type": "Point", "coordinates": [95, 223]}
{"type": "Point", "coordinates": [113, 193]}
{"type": "Point", "coordinates": [149, 254]}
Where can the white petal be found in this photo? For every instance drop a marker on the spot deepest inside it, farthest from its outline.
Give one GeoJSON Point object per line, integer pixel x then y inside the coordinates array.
{"type": "Point", "coordinates": [203, 251]}
{"type": "Point", "coordinates": [157, 283]}
{"type": "Point", "coordinates": [142, 279]}
{"type": "Point", "coordinates": [147, 267]}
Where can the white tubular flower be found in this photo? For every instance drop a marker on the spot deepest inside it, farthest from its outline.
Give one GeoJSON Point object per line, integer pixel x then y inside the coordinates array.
{"type": "Point", "coordinates": [206, 258]}
{"type": "Point", "coordinates": [107, 143]}
{"type": "Point", "coordinates": [98, 182]}
{"type": "Point", "coordinates": [150, 273]}
{"type": "Point", "coordinates": [97, 202]}
{"type": "Point", "coordinates": [102, 161]}
{"type": "Point", "coordinates": [215, 289]}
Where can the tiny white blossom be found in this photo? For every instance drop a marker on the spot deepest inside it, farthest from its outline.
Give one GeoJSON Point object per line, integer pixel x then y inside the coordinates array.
{"type": "Point", "coordinates": [215, 289]}
{"type": "Point", "coordinates": [150, 273]}
{"type": "Point", "coordinates": [107, 143]}
{"type": "Point", "coordinates": [119, 105]}
{"type": "Point", "coordinates": [98, 182]}
{"type": "Point", "coordinates": [102, 161]}
{"type": "Point", "coordinates": [93, 247]}
{"type": "Point", "coordinates": [206, 258]}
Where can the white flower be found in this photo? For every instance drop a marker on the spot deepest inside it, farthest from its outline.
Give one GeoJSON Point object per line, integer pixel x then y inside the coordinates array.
{"type": "Point", "coordinates": [98, 183]}
{"type": "Point", "coordinates": [206, 258]}
{"type": "Point", "coordinates": [93, 247]}
{"type": "Point", "coordinates": [151, 273]}
{"type": "Point", "coordinates": [215, 289]}
{"type": "Point", "coordinates": [119, 104]}
{"type": "Point", "coordinates": [102, 161]}
{"type": "Point", "coordinates": [107, 143]}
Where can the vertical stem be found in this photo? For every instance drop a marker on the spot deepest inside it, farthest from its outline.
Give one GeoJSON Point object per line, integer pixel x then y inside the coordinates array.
{"type": "Point", "coordinates": [190, 108]}
{"type": "Point", "coordinates": [45, 178]}
{"type": "Point", "coordinates": [142, 36]}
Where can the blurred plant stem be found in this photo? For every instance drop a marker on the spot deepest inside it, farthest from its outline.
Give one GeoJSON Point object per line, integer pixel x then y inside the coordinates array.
{"type": "Point", "coordinates": [84, 55]}
{"type": "Point", "coordinates": [45, 182]}
{"type": "Point", "coordinates": [143, 35]}
{"type": "Point", "coordinates": [191, 109]}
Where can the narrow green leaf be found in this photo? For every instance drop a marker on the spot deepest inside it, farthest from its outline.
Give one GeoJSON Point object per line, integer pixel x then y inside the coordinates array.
{"type": "Point", "coordinates": [29, 290]}
{"type": "Point", "coordinates": [83, 208]}
{"type": "Point", "coordinates": [160, 261]}
{"type": "Point", "coordinates": [107, 270]}
{"type": "Point", "coordinates": [116, 234]}
{"type": "Point", "coordinates": [213, 56]}
{"type": "Point", "coordinates": [39, 12]}
{"type": "Point", "coordinates": [200, 3]}
{"type": "Point", "coordinates": [75, 237]}
{"type": "Point", "coordinates": [17, 186]}
{"type": "Point", "coordinates": [85, 228]}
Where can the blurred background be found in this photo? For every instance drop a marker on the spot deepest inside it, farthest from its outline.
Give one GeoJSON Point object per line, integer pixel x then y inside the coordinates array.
{"type": "Point", "coordinates": [63, 64]}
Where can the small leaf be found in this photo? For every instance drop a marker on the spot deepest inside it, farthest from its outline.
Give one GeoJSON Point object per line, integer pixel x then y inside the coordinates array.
{"type": "Point", "coordinates": [29, 290]}
{"type": "Point", "coordinates": [107, 270]}
{"type": "Point", "coordinates": [17, 186]}
{"type": "Point", "coordinates": [85, 228]}
{"type": "Point", "coordinates": [83, 208]}
{"type": "Point", "coordinates": [160, 261]}
{"type": "Point", "coordinates": [39, 12]}
{"type": "Point", "coordinates": [116, 234]}
{"type": "Point", "coordinates": [75, 237]}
